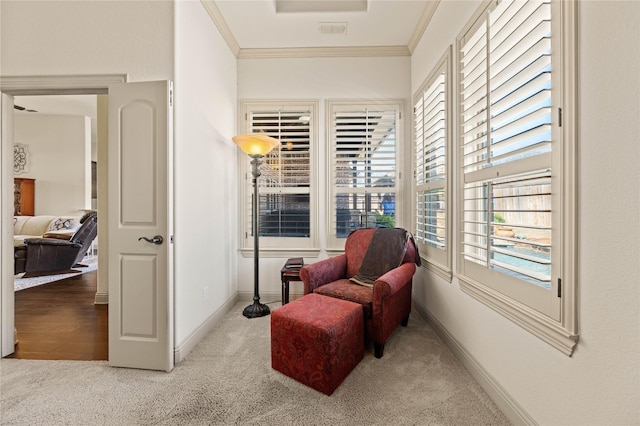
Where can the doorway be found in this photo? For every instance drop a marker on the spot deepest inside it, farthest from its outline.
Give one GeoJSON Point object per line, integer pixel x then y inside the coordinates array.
{"type": "Point", "coordinates": [136, 205]}
{"type": "Point", "coordinates": [58, 317]}
{"type": "Point", "coordinates": [23, 86]}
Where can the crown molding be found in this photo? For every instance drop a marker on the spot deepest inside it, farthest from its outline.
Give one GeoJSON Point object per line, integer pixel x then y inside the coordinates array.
{"type": "Point", "coordinates": [323, 52]}
{"type": "Point", "coordinates": [425, 20]}
{"type": "Point", "coordinates": [218, 20]}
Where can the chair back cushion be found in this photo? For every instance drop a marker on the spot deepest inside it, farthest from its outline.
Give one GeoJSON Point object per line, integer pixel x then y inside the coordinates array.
{"type": "Point", "coordinates": [87, 232]}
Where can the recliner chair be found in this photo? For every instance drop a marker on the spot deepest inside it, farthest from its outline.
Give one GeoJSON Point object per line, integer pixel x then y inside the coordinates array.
{"type": "Point", "coordinates": [57, 256]}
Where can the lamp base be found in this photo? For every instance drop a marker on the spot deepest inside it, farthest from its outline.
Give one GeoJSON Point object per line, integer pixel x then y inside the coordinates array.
{"type": "Point", "coordinates": [256, 310]}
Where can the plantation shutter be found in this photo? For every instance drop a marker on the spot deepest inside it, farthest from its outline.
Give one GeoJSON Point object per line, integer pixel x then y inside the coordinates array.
{"type": "Point", "coordinates": [430, 164]}
{"type": "Point", "coordinates": [363, 166]}
{"type": "Point", "coordinates": [506, 141]}
{"type": "Point", "coordinates": [284, 184]}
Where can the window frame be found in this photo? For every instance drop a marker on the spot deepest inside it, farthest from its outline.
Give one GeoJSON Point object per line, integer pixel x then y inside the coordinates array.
{"type": "Point", "coordinates": [334, 244]}
{"type": "Point", "coordinates": [278, 246]}
{"type": "Point", "coordinates": [437, 261]}
{"type": "Point", "coordinates": [559, 331]}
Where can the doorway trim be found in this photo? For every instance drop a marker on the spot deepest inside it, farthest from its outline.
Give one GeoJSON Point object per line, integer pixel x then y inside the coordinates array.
{"type": "Point", "coordinates": [20, 86]}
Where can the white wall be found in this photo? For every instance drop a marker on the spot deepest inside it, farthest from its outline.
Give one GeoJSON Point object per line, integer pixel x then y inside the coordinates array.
{"type": "Point", "coordinates": [600, 383]}
{"type": "Point", "coordinates": [87, 37]}
{"type": "Point", "coordinates": [206, 170]}
{"type": "Point", "coordinates": [60, 161]}
{"type": "Point", "coordinates": [137, 38]}
{"type": "Point", "coordinates": [317, 79]}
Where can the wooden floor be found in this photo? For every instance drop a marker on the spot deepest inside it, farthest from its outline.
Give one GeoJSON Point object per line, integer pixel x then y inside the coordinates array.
{"type": "Point", "coordinates": [59, 320]}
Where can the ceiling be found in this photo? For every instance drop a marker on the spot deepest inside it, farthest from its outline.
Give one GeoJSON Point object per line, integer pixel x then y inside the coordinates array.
{"type": "Point", "coordinates": [68, 104]}
{"type": "Point", "coordinates": [267, 25]}
{"type": "Point", "coordinates": [60, 105]}
{"type": "Point", "coordinates": [277, 24]}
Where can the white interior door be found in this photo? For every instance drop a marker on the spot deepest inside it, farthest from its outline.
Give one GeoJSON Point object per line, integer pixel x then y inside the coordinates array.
{"type": "Point", "coordinates": [140, 271]}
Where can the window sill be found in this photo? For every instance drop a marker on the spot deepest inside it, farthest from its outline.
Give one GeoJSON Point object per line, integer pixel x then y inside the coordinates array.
{"type": "Point", "coordinates": [439, 270]}
{"type": "Point", "coordinates": [546, 329]}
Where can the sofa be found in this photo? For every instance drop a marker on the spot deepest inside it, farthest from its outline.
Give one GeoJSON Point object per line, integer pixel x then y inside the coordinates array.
{"type": "Point", "coordinates": [42, 226]}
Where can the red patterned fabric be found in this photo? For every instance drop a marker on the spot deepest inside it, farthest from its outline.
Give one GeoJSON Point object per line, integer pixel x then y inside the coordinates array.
{"type": "Point", "coordinates": [385, 306]}
{"type": "Point", "coordinates": [353, 293]}
{"type": "Point", "coordinates": [317, 340]}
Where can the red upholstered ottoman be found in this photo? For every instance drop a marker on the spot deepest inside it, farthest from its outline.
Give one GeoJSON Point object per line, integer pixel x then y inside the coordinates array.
{"type": "Point", "coordinates": [317, 340]}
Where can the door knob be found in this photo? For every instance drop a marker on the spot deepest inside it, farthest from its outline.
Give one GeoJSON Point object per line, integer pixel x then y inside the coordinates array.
{"type": "Point", "coordinates": [155, 240]}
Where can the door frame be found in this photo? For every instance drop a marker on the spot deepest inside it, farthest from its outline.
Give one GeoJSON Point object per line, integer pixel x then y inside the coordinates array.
{"type": "Point", "coordinates": [21, 86]}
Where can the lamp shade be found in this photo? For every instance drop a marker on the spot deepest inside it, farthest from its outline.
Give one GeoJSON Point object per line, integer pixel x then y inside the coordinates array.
{"type": "Point", "coordinates": [255, 143]}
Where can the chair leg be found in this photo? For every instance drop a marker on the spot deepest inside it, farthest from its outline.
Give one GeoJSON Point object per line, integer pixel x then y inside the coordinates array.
{"type": "Point", "coordinates": [378, 349]}
{"type": "Point", "coordinates": [405, 321]}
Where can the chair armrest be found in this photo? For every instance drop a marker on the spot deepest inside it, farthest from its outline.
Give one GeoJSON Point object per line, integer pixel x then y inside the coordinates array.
{"type": "Point", "coordinates": [392, 281]}
{"type": "Point", "coordinates": [59, 235]}
{"type": "Point", "coordinates": [51, 242]}
{"type": "Point", "coordinates": [323, 272]}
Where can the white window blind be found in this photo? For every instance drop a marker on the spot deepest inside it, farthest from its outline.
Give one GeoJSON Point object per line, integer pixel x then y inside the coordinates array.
{"type": "Point", "coordinates": [363, 170]}
{"type": "Point", "coordinates": [430, 157]}
{"type": "Point", "coordinates": [506, 136]}
{"type": "Point", "coordinates": [284, 182]}
{"type": "Point", "coordinates": [285, 185]}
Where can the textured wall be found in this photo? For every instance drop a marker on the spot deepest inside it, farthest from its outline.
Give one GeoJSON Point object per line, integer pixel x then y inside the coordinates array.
{"type": "Point", "coordinates": [206, 170]}
{"type": "Point", "coordinates": [92, 37]}
{"type": "Point", "coordinates": [60, 155]}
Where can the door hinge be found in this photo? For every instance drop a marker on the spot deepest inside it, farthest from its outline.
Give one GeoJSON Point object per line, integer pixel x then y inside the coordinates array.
{"type": "Point", "coordinates": [559, 117]}
{"type": "Point", "coordinates": [171, 97]}
{"type": "Point", "coordinates": [559, 287]}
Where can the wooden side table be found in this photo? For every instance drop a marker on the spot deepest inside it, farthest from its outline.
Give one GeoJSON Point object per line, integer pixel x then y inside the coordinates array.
{"type": "Point", "coordinates": [290, 272]}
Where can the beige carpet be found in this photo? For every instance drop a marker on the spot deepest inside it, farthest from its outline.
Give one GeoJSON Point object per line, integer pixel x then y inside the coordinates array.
{"type": "Point", "coordinates": [227, 380]}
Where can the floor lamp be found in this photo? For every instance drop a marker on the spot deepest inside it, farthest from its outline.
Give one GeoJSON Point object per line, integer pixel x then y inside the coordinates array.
{"type": "Point", "coordinates": [255, 146]}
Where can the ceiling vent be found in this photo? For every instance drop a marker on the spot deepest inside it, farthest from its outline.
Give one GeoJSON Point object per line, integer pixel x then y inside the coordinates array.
{"type": "Point", "coordinates": [332, 27]}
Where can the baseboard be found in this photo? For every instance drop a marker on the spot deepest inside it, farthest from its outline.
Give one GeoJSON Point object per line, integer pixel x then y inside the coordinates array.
{"type": "Point", "coordinates": [180, 352]}
{"type": "Point", "coordinates": [102, 299]}
{"type": "Point", "coordinates": [269, 298]}
{"type": "Point", "coordinates": [507, 404]}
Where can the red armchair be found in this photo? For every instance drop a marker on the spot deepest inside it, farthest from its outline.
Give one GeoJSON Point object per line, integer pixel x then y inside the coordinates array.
{"type": "Point", "coordinates": [386, 304]}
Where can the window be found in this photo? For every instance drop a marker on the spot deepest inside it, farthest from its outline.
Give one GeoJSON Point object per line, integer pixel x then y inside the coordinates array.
{"type": "Point", "coordinates": [363, 174]}
{"type": "Point", "coordinates": [515, 221]}
{"type": "Point", "coordinates": [286, 185]}
{"type": "Point", "coordinates": [432, 140]}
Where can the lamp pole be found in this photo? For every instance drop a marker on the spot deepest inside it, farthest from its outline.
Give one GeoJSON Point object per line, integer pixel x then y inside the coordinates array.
{"type": "Point", "coordinates": [257, 309]}
{"type": "Point", "coordinates": [256, 146]}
